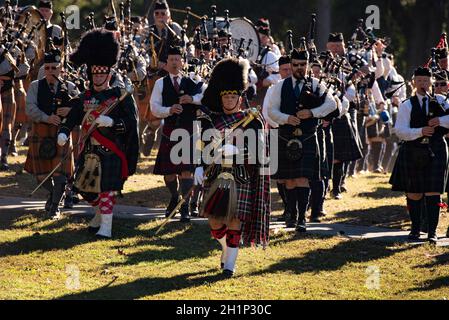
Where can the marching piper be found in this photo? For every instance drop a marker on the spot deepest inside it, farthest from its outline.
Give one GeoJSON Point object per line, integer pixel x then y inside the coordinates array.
{"type": "Point", "coordinates": [296, 108]}
{"type": "Point", "coordinates": [108, 144]}
{"type": "Point", "coordinates": [46, 107]}
{"type": "Point", "coordinates": [237, 199]}
{"type": "Point", "coordinates": [421, 167]}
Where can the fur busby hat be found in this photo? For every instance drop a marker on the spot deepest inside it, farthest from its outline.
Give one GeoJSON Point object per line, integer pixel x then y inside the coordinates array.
{"type": "Point", "coordinates": [98, 48]}
{"type": "Point", "coordinates": [422, 72]}
{"type": "Point", "coordinates": [229, 76]}
{"type": "Point", "coordinates": [336, 37]}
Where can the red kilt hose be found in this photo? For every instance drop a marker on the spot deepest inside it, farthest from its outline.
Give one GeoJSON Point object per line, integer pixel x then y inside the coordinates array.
{"type": "Point", "coordinates": [8, 113]}
{"type": "Point", "coordinates": [20, 96]}
{"type": "Point", "coordinates": [35, 164]}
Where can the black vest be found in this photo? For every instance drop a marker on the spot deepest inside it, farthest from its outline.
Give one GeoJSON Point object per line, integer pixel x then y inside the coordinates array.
{"type": "Point", "coordinates": [289, 104]}
{"type": "Point", "coordinates": [420, 119]}
{"type": "Point", "coordinates": [45, 98]}
{"type": "Point", "coordinates": [170, 97]}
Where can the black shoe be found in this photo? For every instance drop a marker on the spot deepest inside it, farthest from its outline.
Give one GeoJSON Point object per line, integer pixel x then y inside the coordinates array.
{"type": "Point", "coordinates": [13, 151]}
{"type": "Point", "coordinates": [185, 218]}
{"type": "Point", "coordinates": [48, 204]}
{"type": "Point", "coordinates": [228, 273]}
{"type": "Point", "coordinates": [54, 212]}
{"type": "Point", "coordinates": [322, 214]}
{"type": "Point", "coordinates": [171, 206]}
{"type": "Point", "coordinates": [414, 236]}
{"type": "Point", "coordinates": [92, 229]}
{"type": "Point", "coordinates": [337, 196]}
{"type": "Point", "coordinates": [4, 165]}
{"type": "Point", "coordinates": [75, 199]}
{"type": "Point", "coordinates": [68, 201]}
{"type": "Point", "coordinates": [194, 212]}
{"type": "Point", "coordinates": [433, 239]}
{"type": "Point", "coordinates": [301, 228]}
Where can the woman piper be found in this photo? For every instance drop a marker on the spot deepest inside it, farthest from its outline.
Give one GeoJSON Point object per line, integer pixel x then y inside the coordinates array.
{"type": "Point", "coordinates": [237, 199]}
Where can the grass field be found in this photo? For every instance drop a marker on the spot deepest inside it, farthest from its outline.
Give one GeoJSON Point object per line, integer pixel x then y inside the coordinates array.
{"type": "Point", "coordinates": [42, 259]}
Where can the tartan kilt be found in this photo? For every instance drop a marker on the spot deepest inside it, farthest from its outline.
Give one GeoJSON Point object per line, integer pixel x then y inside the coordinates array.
{"type": "Point", "coordinates": [409, 178]}
{"type": "Point", "coordinates": [245, 192]}
{"type": "Point", "coordinates": [20, 96]}
{"type": "Point", "coordinates": [306, 167]}
{"type": "Point", "coordinates": [111, 167]}
{"type": "Point", "coordinates": [8, 111]}
{"type": "Point", "coordinates": [164, 166]}
{"type": "Point", "coordinates": [34, 164]}
{"type": "Point", "coordinates": [346, 145]}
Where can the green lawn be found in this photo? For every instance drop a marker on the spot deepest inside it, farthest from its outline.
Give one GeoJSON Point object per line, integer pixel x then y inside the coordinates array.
{"type": "Point", "coordinates": [42, 259]}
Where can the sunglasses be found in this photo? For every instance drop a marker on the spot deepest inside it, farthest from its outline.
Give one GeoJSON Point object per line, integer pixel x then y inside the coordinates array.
{"type": "Point", "coordinates": [51, 68]}
{"type": "Point", "coordinates": [160, 13]}
{"type": "Point", "coordinates": [296, 65]}
{"type": "Point", "coordinates": [441, 84]}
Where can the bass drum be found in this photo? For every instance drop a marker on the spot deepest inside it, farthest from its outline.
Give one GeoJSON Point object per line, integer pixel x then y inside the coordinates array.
{"type": "Point", "coordinates": [242, 28]}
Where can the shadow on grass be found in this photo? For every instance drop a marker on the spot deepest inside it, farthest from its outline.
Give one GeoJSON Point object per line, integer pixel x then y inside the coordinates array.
{"type": "Point", "coordinates": [146, 287]}
{"type": "Point", "coordinates": [329, 259]}
{"type": "Point", "coordinates": [435, 284]}
{"type": "Point", "coordinates": [191, 241]}
{"type": "Point", "coordinates": [380, 193]}
{"type": "Point", "coordinates": [384, 216]}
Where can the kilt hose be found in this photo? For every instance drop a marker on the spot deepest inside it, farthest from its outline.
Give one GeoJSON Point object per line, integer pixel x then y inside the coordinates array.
{"type": "Point", "coordinates": [347, 146]}
{"type": "Point", "coordinates": [37, 166]}
{"type": "Point", "coordinates": [329, 139]}
{"type": "Point", "coordinates": [321, 137]}
{"type": "Point", "coordinates": [410, 178]}
{"type": "Point", "coordinates": [8, 116]}
{"type": "Point", "coordinates": [20, 96]}
{"type": "Point", "coordinates": [164, 165]}
{"type": "Point", "coordinates": [308, 166]}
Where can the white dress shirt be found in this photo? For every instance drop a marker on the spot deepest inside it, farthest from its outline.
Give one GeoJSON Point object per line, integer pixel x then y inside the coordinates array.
{"type": "Point", "coordinates": [402, 127]}
{"type": "Point", "coordinates": [274, 109]}
{"type": "Point", "coordinates": [156, 106]}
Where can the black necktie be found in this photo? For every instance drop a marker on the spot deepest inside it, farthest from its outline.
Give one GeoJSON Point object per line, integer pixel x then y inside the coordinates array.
{"type": "Point", "coordinates": [424, 101]}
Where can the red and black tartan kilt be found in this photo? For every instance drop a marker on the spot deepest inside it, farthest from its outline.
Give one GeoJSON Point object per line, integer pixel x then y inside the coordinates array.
{"type": "Point", "coordinates": [8, 110]}
{"type": "Point", "coordinates": [35, 164]}
{"type": "Point", "coordinates": [346, 145]}
{"type": "Point", "coordinates": [409, 178]}
{"type": "Point", "coordinates": [306, 167]}
{"type": "Point", "coordinates": [20, 96]}
{"type": "Point", "coordinates": [164, 165]}
{"type": "Point", "coordinates": [245, 193]}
